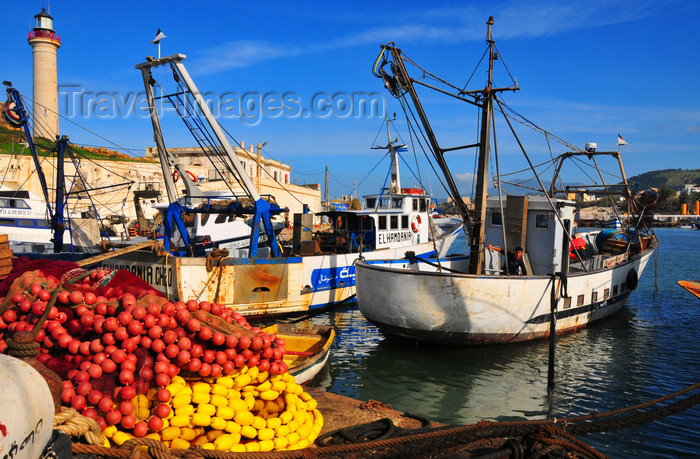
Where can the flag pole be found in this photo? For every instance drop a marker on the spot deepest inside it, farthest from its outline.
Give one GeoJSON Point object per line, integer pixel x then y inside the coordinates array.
{"type": "Point", "coordinates": [159, 58]}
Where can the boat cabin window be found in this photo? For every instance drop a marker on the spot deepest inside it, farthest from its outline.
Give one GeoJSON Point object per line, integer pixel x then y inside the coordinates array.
{"type": "Point", "coordinates": [370, 203]}
{"type": "Point", "coordinates": [542, 221]}
{"type": "Point", "coordinates": [203, 219]}
{"type": "Point", "coordinates": [404, 222]}
{"type": "Point", "coordinates": [354, 224]}
{"type": "Point", "coordinates": [367, 223]}
{"type": "Point", "coordinates": [594, 297]}
{"type": "Point", "coordinates": [25, 222]}
{"type": "Point", "coordinates": [341, 223]}
{"type": "Point", "coordinates": [382, 222]}
{"type": "Point", "coordinates": [606, 293]}
{"type": "Point", "coordinates": [496, 219]}
{"type": "Point", "coordinates": [415, 204]}
{"type": "Point", "coordinates": [14, 203]}
{"type": "Point", "coordinates": [394, 222]}
{"type": "Point", "coordinates": [423, 205]}
{"type": "Point", "coordinates": [567, 302]}
{"type": "Point", "coordinates": [397, 203]}
{"type": "Point", "coordinates": [614, 290]}
{"type": "Point", "coordinates": [579, 300]}
{"type": "Point", "coordinates": [384, 203]}
{"type": "Point", "coordinates": [220, 218]}
{"type": "Point", "coordinates": [7, 221]}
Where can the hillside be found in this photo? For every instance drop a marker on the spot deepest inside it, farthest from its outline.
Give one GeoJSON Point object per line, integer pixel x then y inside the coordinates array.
{"type": "Point", "coordinates": [672, 178]}
{"type": "Point", "coordinates": [12, 139]}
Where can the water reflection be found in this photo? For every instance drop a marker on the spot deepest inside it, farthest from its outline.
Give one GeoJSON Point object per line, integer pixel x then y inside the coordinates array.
{"type": "Point", "coordinates": [647, 350]}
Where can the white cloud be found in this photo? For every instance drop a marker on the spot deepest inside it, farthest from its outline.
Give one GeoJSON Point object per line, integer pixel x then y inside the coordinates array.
{"type": "Point", "coordinates": [441, 25]}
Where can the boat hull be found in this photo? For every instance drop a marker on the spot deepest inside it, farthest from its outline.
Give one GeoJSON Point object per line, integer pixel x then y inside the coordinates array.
{"type": "Point", "coordinates": [459, 309]}
{"type": "Point", "coordinates": [261, 286]}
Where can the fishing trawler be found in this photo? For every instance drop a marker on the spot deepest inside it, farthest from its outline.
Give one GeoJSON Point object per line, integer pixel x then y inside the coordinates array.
{"type": "Point", "coordinates": [528, 274]}
{"type": "Point", "coordinates": [316, 271]}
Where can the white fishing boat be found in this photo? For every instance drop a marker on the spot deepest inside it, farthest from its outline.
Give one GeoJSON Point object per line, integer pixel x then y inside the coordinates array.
{"type": "Point", "coordinates": [316, 271]}
{"type": "Point", "coordinates": [562, 282]}
{"type": "Point", "coordinates": [23, 217]}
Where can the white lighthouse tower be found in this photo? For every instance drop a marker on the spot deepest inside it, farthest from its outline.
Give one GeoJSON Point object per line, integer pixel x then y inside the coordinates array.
{"type": "Point", "coordinates": [44, 42]}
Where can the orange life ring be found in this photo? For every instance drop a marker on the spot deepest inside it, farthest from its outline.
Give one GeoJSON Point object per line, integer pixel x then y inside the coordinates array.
{"type": "Point", "coordinates": [415, 223]}
{"type": "Point", "coordinates": [176, 175]}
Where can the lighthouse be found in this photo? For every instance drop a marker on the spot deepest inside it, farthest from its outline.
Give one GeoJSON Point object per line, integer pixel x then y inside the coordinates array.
{"type": "Point", "coordinates": [44, 42]}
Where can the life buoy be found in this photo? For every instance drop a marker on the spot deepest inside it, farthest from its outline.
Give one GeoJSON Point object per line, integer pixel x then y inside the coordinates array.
{"type": "Point", "coordinates": [632, 279]}
{"type": "Point", "coordinates": [176, 175]}
{"type": "Point", "coordinates": [415, 223]}
{"type": "Point", "coordinates": [11, 115]}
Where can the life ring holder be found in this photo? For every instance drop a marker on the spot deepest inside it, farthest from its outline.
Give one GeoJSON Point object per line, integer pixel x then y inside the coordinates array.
{"type": "Point", "coordinates": [176, 175]}
{"type": "Point", "coordinates": [415, 223]}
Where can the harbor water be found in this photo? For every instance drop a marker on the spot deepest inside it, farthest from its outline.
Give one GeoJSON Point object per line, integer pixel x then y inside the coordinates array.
{"type": "Point", "coordinates": [648, 350]}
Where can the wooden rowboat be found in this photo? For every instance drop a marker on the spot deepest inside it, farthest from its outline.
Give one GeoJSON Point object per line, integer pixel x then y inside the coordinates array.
{"type": "Point", "coordinates": [691, 286]}
{"type": "Point", "coordinates": [308, 348]}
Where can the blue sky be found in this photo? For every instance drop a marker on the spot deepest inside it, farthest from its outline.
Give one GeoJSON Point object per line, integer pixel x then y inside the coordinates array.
{"type": "Point", "coordinates": [587, 71]}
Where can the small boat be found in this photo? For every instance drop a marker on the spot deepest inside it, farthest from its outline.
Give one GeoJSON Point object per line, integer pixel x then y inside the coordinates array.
{"type": "Point", "coordinates": [528, 274]}
{"type": "Point", "coordinates": [308, 348]}
{"type": "Point", "coordinates": [612, 222]}
{"type": "Point", "coordinates": [691, 286]}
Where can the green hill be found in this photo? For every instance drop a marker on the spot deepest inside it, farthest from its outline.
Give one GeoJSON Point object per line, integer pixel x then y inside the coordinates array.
{"type": "Point", "coordinates": [672, 178]}
{"type": "Point", "coordinates": [12, 140]}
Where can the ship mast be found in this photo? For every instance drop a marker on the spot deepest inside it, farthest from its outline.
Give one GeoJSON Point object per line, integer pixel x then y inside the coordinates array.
{"type": "Point", "coordinates": [476, 235]}
{"type": "Point", "coordinates": [394, 149]}
{"type": "Point", "coordinates": [400, 83]}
